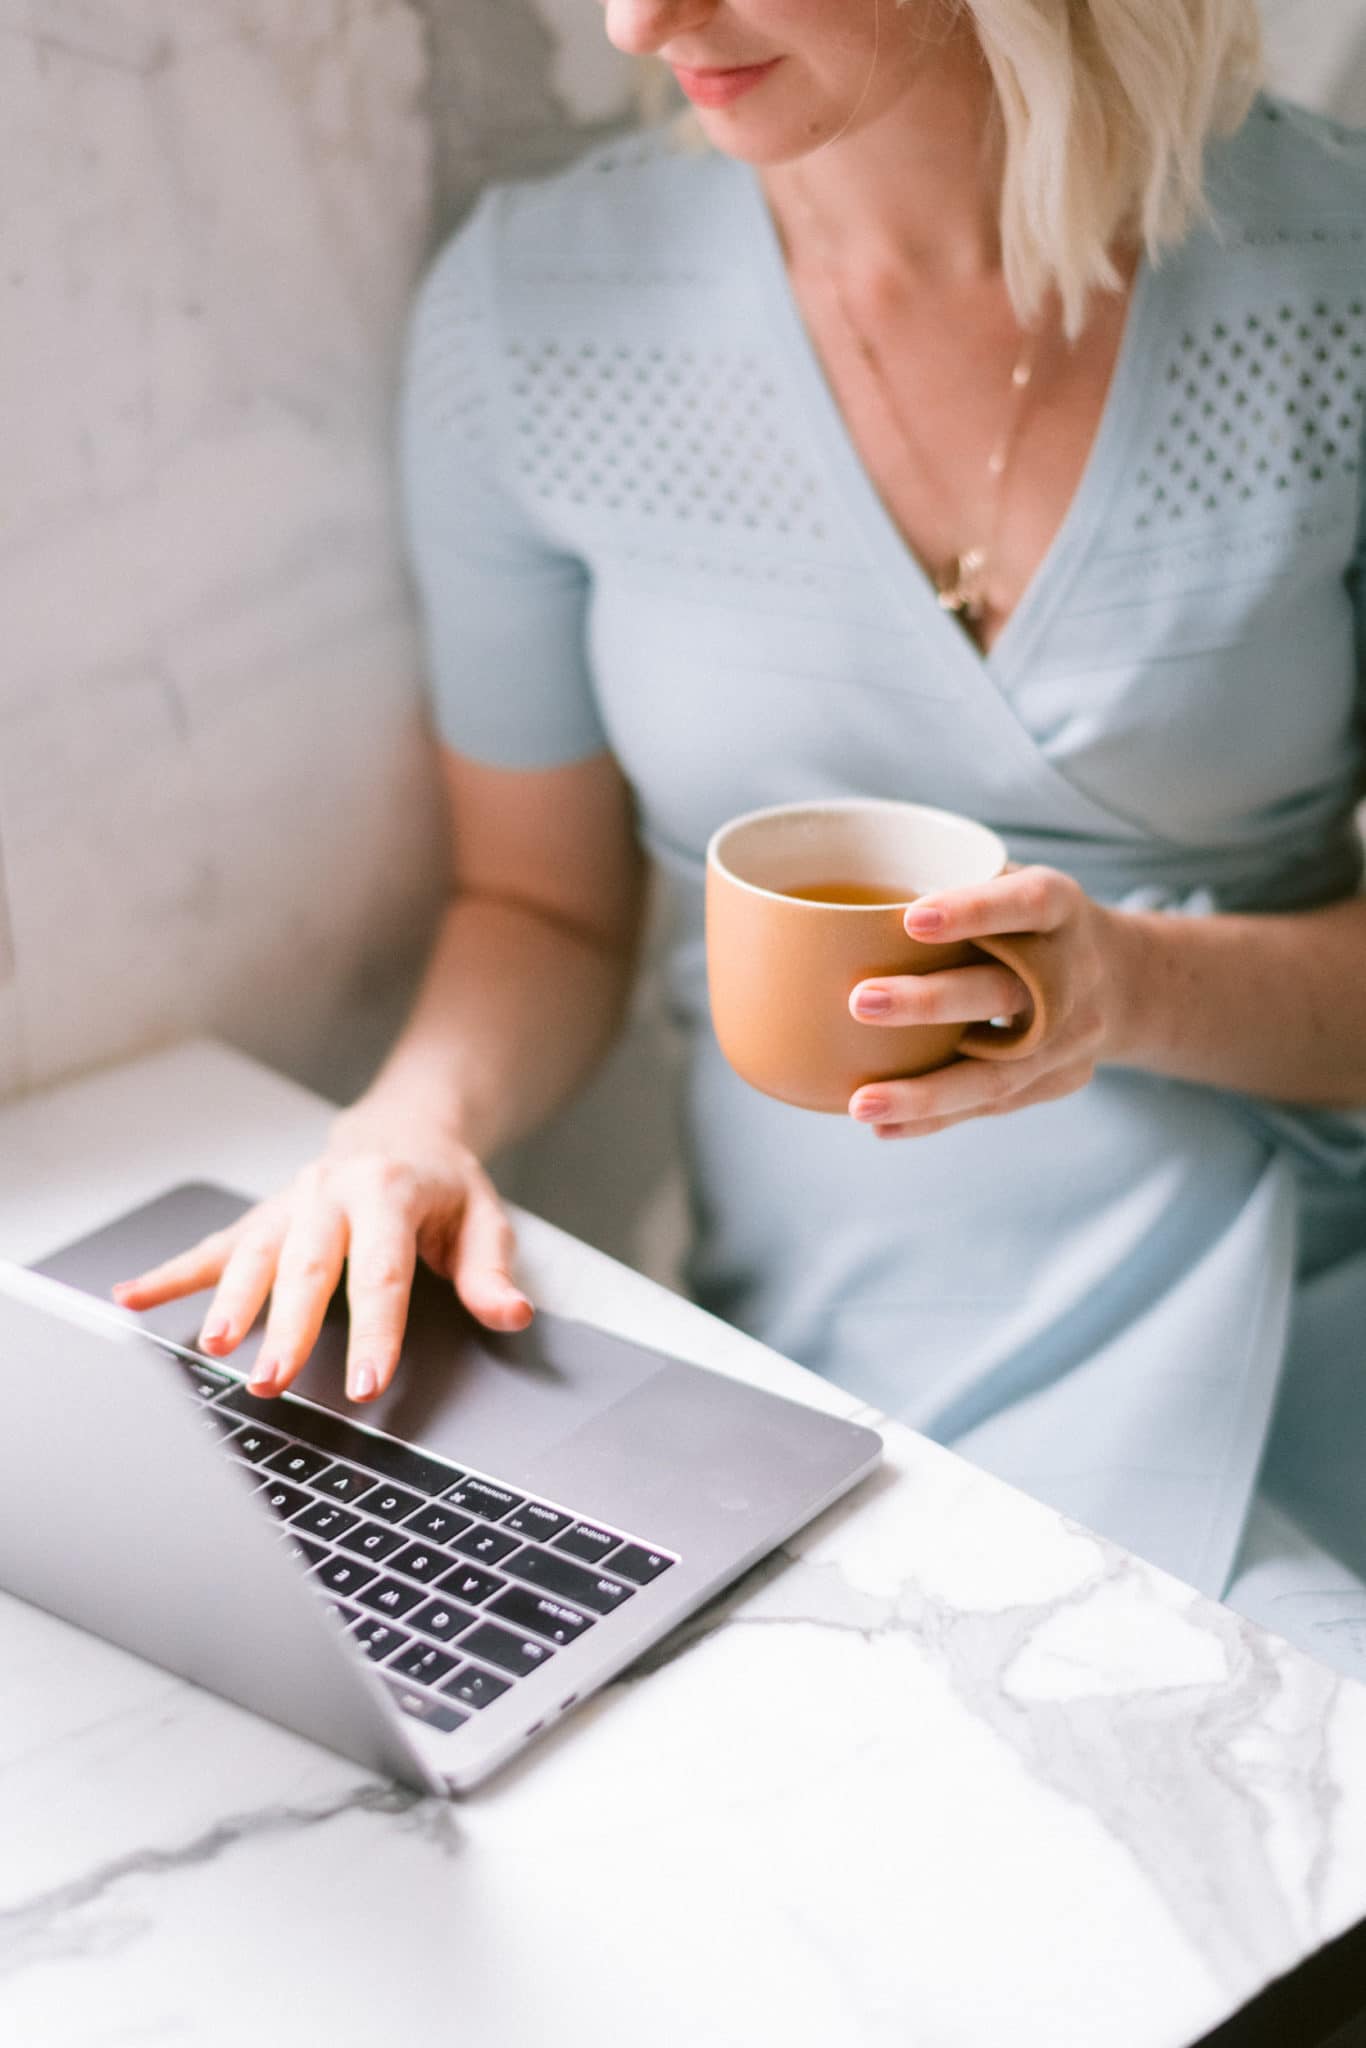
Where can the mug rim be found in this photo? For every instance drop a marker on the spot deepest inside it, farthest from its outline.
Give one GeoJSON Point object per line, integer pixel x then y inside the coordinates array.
{"type": "Point", "coordinates": [715, 860]}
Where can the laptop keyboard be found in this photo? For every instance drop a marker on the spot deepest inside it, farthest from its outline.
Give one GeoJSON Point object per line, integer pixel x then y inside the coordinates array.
{"type": "Point", "coordinates": [454, 1584]}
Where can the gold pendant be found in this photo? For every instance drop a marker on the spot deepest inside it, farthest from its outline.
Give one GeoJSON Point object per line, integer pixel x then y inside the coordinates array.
{"type": "Point", "coordinates": [961, 585]}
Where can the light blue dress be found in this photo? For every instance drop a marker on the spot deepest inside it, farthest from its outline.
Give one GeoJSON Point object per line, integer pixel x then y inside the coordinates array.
{"type": "Point", "coordinates": [637, 521]}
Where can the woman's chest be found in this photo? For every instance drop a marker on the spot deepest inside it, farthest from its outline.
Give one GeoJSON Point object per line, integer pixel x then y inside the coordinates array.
{"type": "Point", "coordinates": [1181, 662]}
{"type": "Point", "coordinates": [1185, 692]}
{"type": "Point", "coordinates": [974, 433]}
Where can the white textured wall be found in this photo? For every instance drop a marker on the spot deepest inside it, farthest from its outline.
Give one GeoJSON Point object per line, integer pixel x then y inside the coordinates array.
{"type": "Point", "coordinates": [215, 803]}
{"type": "Point", "coordinates": [517, 86]}
{"type": "Point", "coordinates": [1318, 53]}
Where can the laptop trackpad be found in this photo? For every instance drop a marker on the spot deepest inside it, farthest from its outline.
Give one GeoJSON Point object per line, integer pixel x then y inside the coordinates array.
{"type": "Point", "coordinates": [472, 1396]}
{"type": "Point", "coordinates": [462, 1391]}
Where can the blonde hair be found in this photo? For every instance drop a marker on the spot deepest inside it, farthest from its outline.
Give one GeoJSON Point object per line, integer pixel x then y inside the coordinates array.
{"type": "Point", "coordinates": [1106, 106]}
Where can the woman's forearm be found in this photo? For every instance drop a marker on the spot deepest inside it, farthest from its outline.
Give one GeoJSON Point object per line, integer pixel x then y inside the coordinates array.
{"type": "Point", "coordinates": [1272, 1006]}
{"type": "Point", "coordinates": [514, 1011]}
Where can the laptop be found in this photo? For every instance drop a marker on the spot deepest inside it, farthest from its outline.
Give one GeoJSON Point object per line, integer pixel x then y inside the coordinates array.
{"type": "Point", "coordinates": [423, 1585]}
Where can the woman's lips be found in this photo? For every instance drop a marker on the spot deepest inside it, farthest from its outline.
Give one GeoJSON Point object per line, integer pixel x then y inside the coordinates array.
{"type": "Point", "coordinates": [722, 88]}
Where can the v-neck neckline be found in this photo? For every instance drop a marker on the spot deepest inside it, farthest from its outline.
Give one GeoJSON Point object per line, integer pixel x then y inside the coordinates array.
{"type": "Point", "coordinates": [907, 574]}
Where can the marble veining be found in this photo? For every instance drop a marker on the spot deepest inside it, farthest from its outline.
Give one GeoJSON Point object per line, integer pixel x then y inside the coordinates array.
{"type": "Point", "coordinates": [1104, 1745]}
{"type": "Point", "coordinates": [44, 1929]}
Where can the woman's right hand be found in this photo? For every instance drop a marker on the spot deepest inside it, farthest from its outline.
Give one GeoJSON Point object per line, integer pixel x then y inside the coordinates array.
{"type": "Point", "coordinates": [382, 1196]}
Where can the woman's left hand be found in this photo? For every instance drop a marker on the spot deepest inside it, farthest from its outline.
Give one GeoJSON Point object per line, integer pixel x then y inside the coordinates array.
{"type": "Point", "coordinates": [1088, 947]}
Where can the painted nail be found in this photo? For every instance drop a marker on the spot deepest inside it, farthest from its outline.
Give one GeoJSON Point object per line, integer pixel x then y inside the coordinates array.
{"type": "Point", "coordinates": [363, 1383]}
{"type": "Point", "coordinates": [869, 1108]}
{"type": "Point", "coordinates": [873, 1002]}
{"type": "Point", "coordinates": [921, 919]}
{"type": "Point", "coordinates": [214, 1332]}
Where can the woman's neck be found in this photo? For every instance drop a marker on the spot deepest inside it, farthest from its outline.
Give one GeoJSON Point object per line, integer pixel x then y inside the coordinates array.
{"type": "Point", "coordinates": [916, 190]}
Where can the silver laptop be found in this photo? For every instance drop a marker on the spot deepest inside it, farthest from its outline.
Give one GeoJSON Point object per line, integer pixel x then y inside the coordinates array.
{"type": "Point", "coordinates": [423, 1585]}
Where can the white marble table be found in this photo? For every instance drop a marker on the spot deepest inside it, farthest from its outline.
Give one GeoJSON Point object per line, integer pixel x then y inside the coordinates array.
{"type": "Point", "coordinates": [950, 1773]}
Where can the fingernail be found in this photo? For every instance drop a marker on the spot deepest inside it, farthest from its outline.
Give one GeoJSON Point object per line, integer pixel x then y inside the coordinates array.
{"type": "Point", "coordinates": [214, 1332]}
{"type": "Point", "coordinates": [869, 1108]}
{"type": "Point", "coordinates": [263, 1376]}
{"type": "Point", "coordinates": [363, 1383]}
{"type": "Point", "coordinates": [873, 1002]}
{"type": "Point", "coordinates": [919, 918]}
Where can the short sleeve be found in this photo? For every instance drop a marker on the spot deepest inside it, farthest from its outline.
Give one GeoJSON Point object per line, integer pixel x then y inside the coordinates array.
{"type": "Point", "coordinates": [504, 611]}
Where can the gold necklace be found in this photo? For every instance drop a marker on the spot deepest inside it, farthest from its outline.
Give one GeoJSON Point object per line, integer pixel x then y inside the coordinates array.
{"type": "Point", "coordinates": [963, 583]}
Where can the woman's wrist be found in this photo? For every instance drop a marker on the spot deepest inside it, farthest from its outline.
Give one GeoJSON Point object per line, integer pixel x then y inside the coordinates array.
{"type": "Point", "coordinates": [1140, 979]}
{"type": "Point", "coordinates": [1271, 1005]}
{"type": "Point", "coordinates": [394, 1112]}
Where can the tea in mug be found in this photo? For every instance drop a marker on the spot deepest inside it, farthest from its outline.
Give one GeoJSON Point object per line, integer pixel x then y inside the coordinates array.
{"type": "Point", "coordinates": [866, 894]}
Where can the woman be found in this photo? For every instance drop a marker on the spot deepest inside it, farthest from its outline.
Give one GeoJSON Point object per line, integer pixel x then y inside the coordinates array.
{"type": "Point", "coordinates": [978, 421]}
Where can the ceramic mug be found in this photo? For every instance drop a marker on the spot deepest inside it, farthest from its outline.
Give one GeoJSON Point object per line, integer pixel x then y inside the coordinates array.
{"type": "Point", "coordinates": [781, 967]}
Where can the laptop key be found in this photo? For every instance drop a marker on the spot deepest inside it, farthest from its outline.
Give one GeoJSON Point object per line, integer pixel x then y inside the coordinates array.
{"type": "Point", "coordinates": [633, 1561]}
{"type": "Point", "coordinates": [517, 1654]}
{"type": "Point", "coordinates": [586, 1542]}
{"type": "Point", "coordinates": [476, 1688]}
{"type": "Point", "coordinates": [300, 1547]}
{"type": "Point", "coordinates": [344, 1614]}
{"type": "Point", "coordinates": [422, 1664]}
{"type": "Point", "coordinates": [435, 1713]}
{"type": "Point", "coordinates": [490, 1546]}
{"type": "Point", "coordinates": [390, 1597]}
{"type": "Point", "coordinates": [378, 1639]}
{"type": "Point", "coordinates": [345, 1574]}
{"type": "Point", "coordinates": [282, 1498]}
{"type": "Point", "coordinates": [296, 1462]}
{"type": "Point", "coordinates": [551, 1573]}
{"type": "Point", "coordinates": [254, 1443]}
{"type": "Point", "coordinates": [220, 1424]}
{"type": "Point", "coordinates": [542, 1615]}
{"type": "Point", "coordinates": [420, 1561]}
{"type": "Point", "coordinates": [468, 1582]}
{"type": "Point", "coordinates": [534, 1518]}
{"type": "Point", "coordinates": [436, 1523]}
{"type": "Point", "coordinates": [204, 1381]}
{"type": "Point", "coordinates": [373, 1540]}
{"type": "Point", "coordinates": [320, 1518]}
{"type": "Point", "coordinates": [442, 1619]}
{"type": "Point", "coordinates": [481, 1497]}
{"type": "Point", "coordinates": [390, 1503]}
{"type": "Point", "coordinates": [342, 1482]}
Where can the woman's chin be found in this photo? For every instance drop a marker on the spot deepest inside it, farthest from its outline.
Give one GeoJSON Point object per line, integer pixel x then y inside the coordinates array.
{"type": "Point", "coordinates": [762, 142]}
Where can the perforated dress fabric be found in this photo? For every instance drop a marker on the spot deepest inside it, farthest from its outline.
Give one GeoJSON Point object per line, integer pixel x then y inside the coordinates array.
{"type": "Point", "coordinates": [638, 522]}
{"type": "Point", "coordinates": [1278, 393]}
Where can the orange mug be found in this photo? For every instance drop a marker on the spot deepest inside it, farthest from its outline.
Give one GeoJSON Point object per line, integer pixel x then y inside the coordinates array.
{"type": "Point", "coordinates": [804, 901]}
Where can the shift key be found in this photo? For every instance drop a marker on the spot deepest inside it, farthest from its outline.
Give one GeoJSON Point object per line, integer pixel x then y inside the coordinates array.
{"type": "Point", "coordinates": [552, 1573]}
